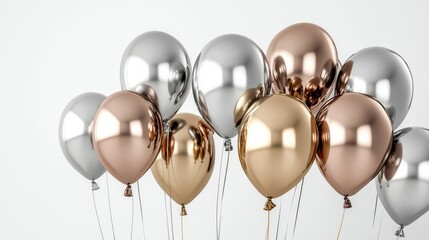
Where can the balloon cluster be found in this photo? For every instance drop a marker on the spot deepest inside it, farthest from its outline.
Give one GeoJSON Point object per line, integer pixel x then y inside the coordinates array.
{"type": "Point", "coordinates": [294, 105]}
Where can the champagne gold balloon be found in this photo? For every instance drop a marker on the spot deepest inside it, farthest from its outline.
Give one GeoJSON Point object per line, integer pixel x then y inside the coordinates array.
{"type": "Point", "coordinates": [305, 51]}
{"type": "Point", "coordinates": [191, 154]}
{"type": "Point", "coordinates": [277, 144]}
{"type": "Point", "coordinates": [127, 136]}
{"type": "Point", "coordinates": [355, 140]}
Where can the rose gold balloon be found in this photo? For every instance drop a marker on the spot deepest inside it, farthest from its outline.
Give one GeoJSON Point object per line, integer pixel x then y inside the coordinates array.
{"type": "Point", "coordinates": [354, 142]}
{"type": "Point", "coordinates": [189, 165]}
{"type": "Point", "coordinates": [307, 52]}
{"type": "Point", "coordinates": [127, 135]}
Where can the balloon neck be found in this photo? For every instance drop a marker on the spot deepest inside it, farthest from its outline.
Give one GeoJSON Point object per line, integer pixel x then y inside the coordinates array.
{"type": "Point", "coordinates": [183, 211]}
{"type": "Point", "coordinates": [400, 232]}
{"type": "Point", "coordinates": [167, 127]}
{"type": "Point", "coordinates": [347, 202]}
{"type": "Point", "coordinates": [228, 145]}
{"type": "Point", "coordinates": [128, 191]}
{"type": "Point", "coordinates": [269, 205]}
{"type": "Point", "coordinates": [94, 186]}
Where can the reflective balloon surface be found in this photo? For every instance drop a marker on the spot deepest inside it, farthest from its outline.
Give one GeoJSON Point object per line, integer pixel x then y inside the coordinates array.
{"type": "Point", "coordinates": [127, 135]}
{"type": "Point", "coordinates": [355, 139]}
{"type": "Point", "coordinates": [157, 66]}
{"type": "Point", "coordinates": [226, 68]}
{"type": "Point", "coordinates": [304, 62]}
{"type": "Point", "coordinates": [187, 157]}
{"type": "Point", "coordinates": [277, 143]}
{"type": "Point", "coordinates": [382, 74]}
{"type": "Point", "coordinates": [403, 184]}
{"type": "Point", "coordinates": [75, 134]}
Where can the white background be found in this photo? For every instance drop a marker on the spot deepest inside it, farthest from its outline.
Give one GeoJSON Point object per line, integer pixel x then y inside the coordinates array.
{"type": "Point", "coordinates": [51, 51]}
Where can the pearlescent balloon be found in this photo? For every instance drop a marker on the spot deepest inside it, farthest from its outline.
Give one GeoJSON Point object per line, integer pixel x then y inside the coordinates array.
{"type": "Point", "coordinates": [225, 70]}
{"type": "Point", "coordinates": [382, 74]}
{"type": "Point", "coordinates": [403, 184]}
{"type": "Point", "coordinates": [75, 134]}
{"type": "Point", "coordinates": [157, 66]}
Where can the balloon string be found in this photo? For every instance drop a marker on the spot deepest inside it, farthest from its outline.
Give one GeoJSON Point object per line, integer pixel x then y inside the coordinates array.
{"type": "Point", "coordinates": [228, 149]}
{"type": "Point", "coordinates": [278, 218]}
{"type": "Point", "coordinates": [217, 198]}
{"type": "Point", "coordinates": [132, 217]}
{"type": "Point", "coordinates": [169, 183]}
{"type": "Point", "coordinates": [290, 210]}
{"type": "Point", "coordinates": [341, 224]}
{"type": "Point", "coordinates": [375, 211]}
{"type": "Point", "coordinates": [267, 236]}
{"type": "Point", "coordinates": [297, 208]}
{"type": "Point", "coordinates": [110, 207]}
{"type": "Point", "coordinates": [379, 228]}
{"type": "Point", "coordinates": [181, 225]}
{"type": "Point", "coordinates": [141, 209]}
{"type": "Point", "coordinates": [96, 213]}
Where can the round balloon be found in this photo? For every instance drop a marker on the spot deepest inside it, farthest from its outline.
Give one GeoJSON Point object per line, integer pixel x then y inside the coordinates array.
{"type": "Point", "coordinates": [355, 139]}
{"type": "Point", "coordinates": [304, 62]}
{"type": "Point", "coordinates": [75, 134]}
{"type": "Point", "coordinates": [382, 74]}
{"type": "Point", "coordinates": [157, 66]}
{"type": "Point", "coordinates": [226, 68]}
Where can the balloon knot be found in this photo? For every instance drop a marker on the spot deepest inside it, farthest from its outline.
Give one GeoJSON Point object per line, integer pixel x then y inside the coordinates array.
{"type": "Point", "coordinates": [94, 186]}
{"type": "Point", "coordinates": [183, 211]}
{"type": "Point", "coordinates": [269, 205]}
{"type": "Point", "coordinates": [128, 191]}
{"type": "Point", "coordinates": [347, 202]}
{"type": "Point", "coordinates": [400, 232]}
{"type": "Point", "coordinates": [167, 128]}
{"type": "Point", "coordinates": [228, 145]}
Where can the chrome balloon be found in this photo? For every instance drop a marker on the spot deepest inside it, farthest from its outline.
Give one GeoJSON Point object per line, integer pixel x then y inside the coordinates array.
{"type": "Point", "coordinates": [157, 66]}
{"type": "Point", "coordinates": [382, 74]}
{"type": "Point", "coordinates": [403, 184]}
{"type": "Point", "coordinates": [226, 69]}
{"type": "Point", "coordinates": [75, 134]}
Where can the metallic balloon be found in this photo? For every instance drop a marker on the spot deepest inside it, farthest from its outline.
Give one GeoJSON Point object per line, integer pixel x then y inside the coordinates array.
{"type": "Point", "coordinates": [355, 137]}
{"type": "Point", "coordinates": [127, 135]}
{"type": "Point", "coordinates": [226, 68]}
{"type": "Point", "coordinates": [403, 184]}
{"type": "Point", "coordinates": [75, 134]}
{"type": "Point", "coordinates": [304, 63]}
{"type": "Point", "coordinates": [157, 66]}
{"type": "Point", "coordinates": [382, 74]}
{"type": "Point", "coordinates": [187, 157]}
{"type": "Point", "coordinates": [277, 143]}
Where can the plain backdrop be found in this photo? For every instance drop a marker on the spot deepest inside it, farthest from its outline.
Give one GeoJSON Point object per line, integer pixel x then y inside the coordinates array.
{"type": "Point", "coordinates": [51, 51]}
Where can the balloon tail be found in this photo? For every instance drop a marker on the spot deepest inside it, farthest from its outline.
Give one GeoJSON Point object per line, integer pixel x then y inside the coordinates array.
{"type": "Point", "coordinates": [220, 194]}
{"type": "Point", "coordinates": [96, 211]}
{"type": "Point", "coordinates": [297, 208]}
{"type": "Point", "coordinates": [183, 211]}
{"type": "Point", "coordinates": [400, 232]}
{"type": "Point", "coordinates": [267, 235]}
{"type": "Point", "coordinates": [341, 224]}
{"type": "Point", "coordinates": [110, 207]}
{"type": "Point", "coordinates": [132, 217]}
{"type": "Point", "coordinates": [347, 202]}
{"type": "Point", "coordinates": [141, 209]}
{"type": "Point", "coordinates": [128, 191]}
{"type": "Point", "coordinates": [94, 186]}
{"type": "Point", "coordinates": [375, 211]}
{"type": "Point", "coordinates": [269, 205]}
{"type": "Point", "coordinates": [278, 218]}
{"type": "Point", "coordinates": [290, 210]}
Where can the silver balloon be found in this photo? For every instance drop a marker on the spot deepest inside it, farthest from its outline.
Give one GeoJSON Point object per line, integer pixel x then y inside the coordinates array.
{"type": "Point", "coordinates": [75, 134]}
{"type": "Point", "coordinates": [403, 184]}
{"type": "Point", "coordinates": [157, 66]}
{"type": "Point", "coordinates": [382, 74]}
{"type": "Point", "coordinates": [230, 72]}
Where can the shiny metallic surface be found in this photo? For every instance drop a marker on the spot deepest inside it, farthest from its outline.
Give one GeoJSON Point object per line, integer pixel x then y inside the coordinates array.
{"type": "Point", "coordinates": [191, 154]}
{"type": "Point", "coordinates": [127, 135]}
{"type": "Point", "coordinates": [355, 140]}
{"type": "Point", "coordinates": [403, 184]}
{"type": "Point", "coordinates": [226, 68]}
{"type": "Point", "coordinates": [305, 54]}
{"type": "Point", "coordinates": [157, 66]}
{"type": "Point", "coordinates": [75, 134]}
{"type": "Point", "coordinates": [277, 143]}
{"type": "Point", "coordinates": [382, 74]}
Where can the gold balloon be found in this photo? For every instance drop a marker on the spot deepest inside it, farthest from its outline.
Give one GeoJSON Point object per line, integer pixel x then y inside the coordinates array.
{"type": "Point", "coordinates": [307, 53]}
{"type": "Point", "coordinates": [277, 144]}
{"type": "Point", "coordinates": [127, 135]}
{"type": "Point", "coordinates": [186, 161]}
{"type": "Point", "coordinates": [355, 141]}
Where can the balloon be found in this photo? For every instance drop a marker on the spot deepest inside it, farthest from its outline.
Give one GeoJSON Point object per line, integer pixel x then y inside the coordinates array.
{"type": "Point", "coordinates": [277, 144]}
{"type": "Point", "coordinates": [382, 74]}
{"type": "Point", "coordinates": [157, 66]}
{"type": "Point", "coordinates": [186, 161]}
{"type": "Point", "coordinates": [355, 140]}
{"type": "Point", "coordinates": [226, 68]}
{"type": "Point", "coordinates": [75, 134]}
{"type": "Point", "coordinates": [127, 136]}
{"type": "Point", "coordinates": [403, 184]}
{"type": "Point", "coordinates": [304, 63]}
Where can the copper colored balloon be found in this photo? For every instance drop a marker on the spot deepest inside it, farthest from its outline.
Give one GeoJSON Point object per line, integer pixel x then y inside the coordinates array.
{"type": "Point", "coordinates": [277, 144]}
{"type": "Point", "coordinates": [127, 135]}
{"type": "Point", "coordinates": [305, 51]}
{"type": "Point", "coordinates": [191, 153]}
{"type": "Point", "coordinates": [355, 140]}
